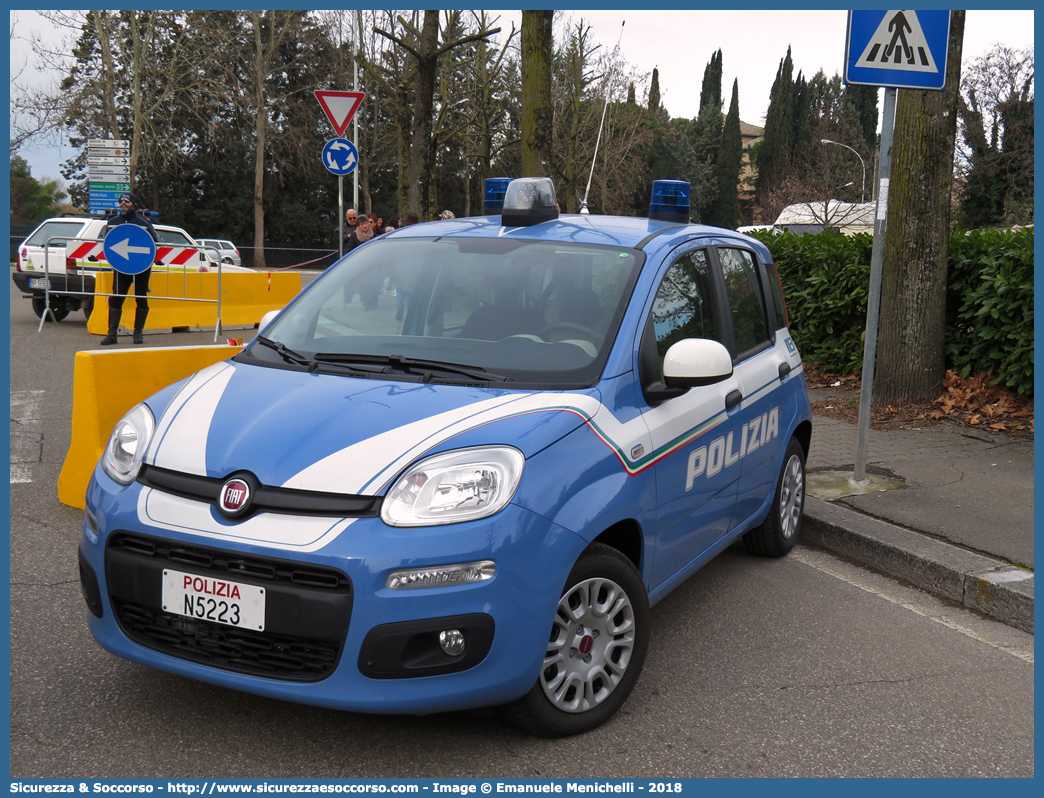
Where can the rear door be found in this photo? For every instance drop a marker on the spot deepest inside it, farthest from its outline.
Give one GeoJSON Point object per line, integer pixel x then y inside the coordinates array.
{"type": "Point", "coordinates": [761, 369]}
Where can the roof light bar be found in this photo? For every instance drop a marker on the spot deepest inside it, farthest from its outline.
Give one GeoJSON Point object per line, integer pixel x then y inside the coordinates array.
{"type": "Point", "coordinates": [493, 195]}
{"type": "Point", "coordinates": [529, 201]}
{"type": "Point", "coordinates": [670, 201]}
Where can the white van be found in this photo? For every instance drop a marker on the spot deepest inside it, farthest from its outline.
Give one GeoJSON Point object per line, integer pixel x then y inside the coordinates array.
{"type": "Point", "coordinates": [45, 251]}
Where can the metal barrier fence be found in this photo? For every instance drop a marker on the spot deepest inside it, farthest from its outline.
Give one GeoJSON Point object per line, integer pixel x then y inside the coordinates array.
{"type": "Point", "coordinates": [82, 273]}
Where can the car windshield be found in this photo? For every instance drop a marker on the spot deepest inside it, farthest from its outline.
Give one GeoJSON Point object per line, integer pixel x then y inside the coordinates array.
{"type": "Point", "coordinates": [539, 313]}
{"type": "Point", "coordinates": [57, 231]}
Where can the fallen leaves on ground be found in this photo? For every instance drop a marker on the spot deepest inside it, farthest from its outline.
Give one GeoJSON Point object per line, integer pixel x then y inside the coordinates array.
{"type": "Point", "coordinates": [976, 401]}
{"type": "Point", "coordinates": [973, 401]}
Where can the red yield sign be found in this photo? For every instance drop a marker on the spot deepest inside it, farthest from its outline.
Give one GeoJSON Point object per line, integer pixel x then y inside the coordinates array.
{"type": "Point", "coordinates": [339, 107]}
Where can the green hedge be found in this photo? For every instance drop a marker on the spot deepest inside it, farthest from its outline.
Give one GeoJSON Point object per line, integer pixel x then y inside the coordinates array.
{"type": "Point", "coordinates": [989, 300]}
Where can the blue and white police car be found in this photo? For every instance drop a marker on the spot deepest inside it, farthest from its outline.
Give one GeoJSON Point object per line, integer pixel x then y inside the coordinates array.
{"type": "Point", "coordinates": [471, 494]}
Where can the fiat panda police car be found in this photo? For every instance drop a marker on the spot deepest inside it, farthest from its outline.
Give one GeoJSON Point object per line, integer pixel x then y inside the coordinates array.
{"type": "Point", "coordinates": [472, 494]}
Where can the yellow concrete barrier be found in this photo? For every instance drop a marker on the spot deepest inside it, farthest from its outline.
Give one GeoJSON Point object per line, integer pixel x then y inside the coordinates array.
{"type": "Point", "coordinates": [246, 297]}
{"type": "Point", "coordinates": [106, 384]}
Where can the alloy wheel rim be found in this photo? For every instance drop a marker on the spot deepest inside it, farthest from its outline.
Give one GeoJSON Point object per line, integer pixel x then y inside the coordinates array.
{"type": "Point", "coordinates": [591, 644]}
{"type": "Point", "coordinates": [792, 497]}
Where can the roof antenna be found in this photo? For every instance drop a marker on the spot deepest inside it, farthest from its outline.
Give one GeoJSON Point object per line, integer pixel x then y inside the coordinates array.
{"type": "Point", "coordinates": [583, 202]}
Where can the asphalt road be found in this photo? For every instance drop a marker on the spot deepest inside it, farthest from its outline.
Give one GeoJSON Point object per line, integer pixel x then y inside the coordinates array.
{"type": "Point", "coordinates": [805, 666]}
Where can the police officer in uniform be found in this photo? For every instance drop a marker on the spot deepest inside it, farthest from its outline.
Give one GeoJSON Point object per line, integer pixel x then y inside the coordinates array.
{"type": "Point", "coordinates": [121, 283]}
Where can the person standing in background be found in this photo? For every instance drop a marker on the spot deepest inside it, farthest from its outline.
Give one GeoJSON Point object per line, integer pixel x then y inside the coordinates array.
{"type": "Point", "coordinates": [121, 283]}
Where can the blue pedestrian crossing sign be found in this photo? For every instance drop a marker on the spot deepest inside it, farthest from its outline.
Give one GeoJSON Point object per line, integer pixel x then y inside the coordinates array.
{"type": "Point", "coordinates": [898, 49]}
{"type": "Point", "coordinates": [129, 249]}
{"type": "Point", "coordinates": [340, 156]}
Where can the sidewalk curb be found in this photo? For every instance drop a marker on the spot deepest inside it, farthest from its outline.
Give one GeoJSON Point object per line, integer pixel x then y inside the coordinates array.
{"type": "Point", "coordinates": [980, 583]}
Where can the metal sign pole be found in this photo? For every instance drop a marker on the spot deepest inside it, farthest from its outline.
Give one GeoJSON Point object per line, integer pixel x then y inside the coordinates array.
{"type": "Point", "coordinates": [873, 304]}
{"type": "Point", "coordinates": [217, 326]}
{"type": "Point", "coordinates": [340, 215]}
{"type": "Point", "coordinates": [355, 120]}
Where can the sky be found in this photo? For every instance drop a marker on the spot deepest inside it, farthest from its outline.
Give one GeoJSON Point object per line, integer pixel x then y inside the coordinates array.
{"type": "Point", "coordinates": [680, 43]}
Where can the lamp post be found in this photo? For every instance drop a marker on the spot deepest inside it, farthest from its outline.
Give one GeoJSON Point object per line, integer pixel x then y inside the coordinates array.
{"type": "Point", "coordinates": [862, 193]}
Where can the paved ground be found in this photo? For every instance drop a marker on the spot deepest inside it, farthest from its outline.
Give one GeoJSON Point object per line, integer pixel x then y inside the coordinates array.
{"type": "Point", "coordinates": [959, 524]}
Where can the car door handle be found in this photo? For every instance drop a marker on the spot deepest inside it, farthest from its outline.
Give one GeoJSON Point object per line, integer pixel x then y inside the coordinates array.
{"type": "Point", "coordinates": [733, 399]}
{"type": "Point", "coordinates": [784, 370]}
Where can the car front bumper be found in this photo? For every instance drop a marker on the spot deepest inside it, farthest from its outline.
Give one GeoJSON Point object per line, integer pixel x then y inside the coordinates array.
{"type": "Point", "coordinates": [381, 652]}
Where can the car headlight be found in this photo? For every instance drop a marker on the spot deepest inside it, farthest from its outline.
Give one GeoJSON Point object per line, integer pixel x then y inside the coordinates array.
{"type": "Point", "coordinates": [127, 444]}
{"type": "Point", "coordinates": [456, 486]}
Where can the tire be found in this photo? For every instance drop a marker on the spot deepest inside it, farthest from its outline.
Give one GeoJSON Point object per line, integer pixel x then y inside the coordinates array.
{"type": "Point", "coordinates": [594, 656]}
{"type": "Point", "coordinates": [57, 307]}
{"type": "Point", "coordinates": [779, 532]}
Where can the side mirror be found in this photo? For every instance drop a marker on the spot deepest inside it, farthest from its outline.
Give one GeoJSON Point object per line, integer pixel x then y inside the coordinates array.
{"type": "Point", "coordinates": [267, 319]}
{"type": "Point", "coordinates": [696, 361]}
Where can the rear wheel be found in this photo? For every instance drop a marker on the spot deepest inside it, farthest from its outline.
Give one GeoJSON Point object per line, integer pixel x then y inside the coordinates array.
{"type": "Point", "coordinates": [57, 307]}
{"type": "Point", "coordinates": [779, 532]}
{"type": "Point", "coordinates": [598, 641]}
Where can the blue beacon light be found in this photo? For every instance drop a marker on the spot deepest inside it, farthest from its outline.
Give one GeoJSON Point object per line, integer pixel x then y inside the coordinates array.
{"type": "Point", "coordinates": [670, 201]}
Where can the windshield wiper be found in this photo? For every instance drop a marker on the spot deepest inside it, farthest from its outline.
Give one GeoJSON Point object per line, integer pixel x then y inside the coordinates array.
{"type": "Point", "coordinates": [413, 365]}
{"type": "Point", "coordinates": [289, 355]}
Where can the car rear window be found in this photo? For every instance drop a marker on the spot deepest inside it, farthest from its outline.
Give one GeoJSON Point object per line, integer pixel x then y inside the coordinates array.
{"type": "Point", "coordinates": [173, 237]}
{"type": "Point", "coordinates": [58, 231]}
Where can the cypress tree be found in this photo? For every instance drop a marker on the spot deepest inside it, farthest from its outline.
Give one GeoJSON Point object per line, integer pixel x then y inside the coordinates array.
{"type": "Point", "coordinates": [725, 209]}
{"type": "Point", "coordinates": [706, 138]}
{"type": "Point", "coordinates": [654, 90]}
{"type": "Point", "coordinates": [863, 100]}
{"type": "Point", "coordinates": [774, 154]}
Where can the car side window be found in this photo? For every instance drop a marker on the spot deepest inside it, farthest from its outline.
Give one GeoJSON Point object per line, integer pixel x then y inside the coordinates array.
{"type": "Point", "coordinates": [684, 306]}
{"type": "Point", "coordinates": [746, 301]}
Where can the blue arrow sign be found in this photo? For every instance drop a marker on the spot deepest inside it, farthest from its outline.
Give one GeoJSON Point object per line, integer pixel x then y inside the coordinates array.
{"type": "Point", "coordinates": [129, 249]}
{"type": "Point", "coordinates": [898, 49]}
{"type": "Point", "coordinates": [340, 156]}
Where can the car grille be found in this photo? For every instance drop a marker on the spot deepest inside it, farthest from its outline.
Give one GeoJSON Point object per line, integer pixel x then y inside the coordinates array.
{"type": "Point", "coordinates": [255, 653]}
{"type": "Point", "coordinates": [265, 498]}
{"type": "Point", "coordinates": [307, 609]}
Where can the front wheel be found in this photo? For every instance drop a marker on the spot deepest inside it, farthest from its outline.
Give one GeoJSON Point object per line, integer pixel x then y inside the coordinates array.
{"type": "Point", "coordinates": [597, 646]}
{"type": "Point", "coordinates": [778, 534]}
{"type": "Point", "coordinates": [57, 307]}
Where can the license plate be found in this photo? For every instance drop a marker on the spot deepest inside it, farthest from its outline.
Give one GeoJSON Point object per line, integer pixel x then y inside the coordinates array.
{"type": "Point", "coordinates": [38, 282]}
{"type": "Point", "coordinates": [217, 600]}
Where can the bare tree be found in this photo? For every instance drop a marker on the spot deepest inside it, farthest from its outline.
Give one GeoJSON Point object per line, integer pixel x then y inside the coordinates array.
{"type": "Point", "coordinates": [423, 44]}
{"type": "Point", "coordinates": [488, 126]}
{"type": "Point", "coordinates": [268, 57]}
{"type": "Point", "coordinates": [38, 109]}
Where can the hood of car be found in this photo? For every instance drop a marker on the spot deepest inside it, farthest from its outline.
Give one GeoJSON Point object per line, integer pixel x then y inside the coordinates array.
{"type": "Point", "coordinates": [339, 434]}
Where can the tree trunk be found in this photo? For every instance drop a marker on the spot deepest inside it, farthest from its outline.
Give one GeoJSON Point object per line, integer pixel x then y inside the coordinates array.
{"type": "Point", "coordinates": [420, 144]}
{"type": "Point", "coordinates": [262, 52]}
{"type": "Point", "coordinates": [910, 354]}
{"type": "Point", "coordinates": [537, 47]}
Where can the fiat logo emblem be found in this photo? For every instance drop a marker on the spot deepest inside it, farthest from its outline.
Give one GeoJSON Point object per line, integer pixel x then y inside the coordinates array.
{"type": "Point", "coordinates": [235, 494]}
